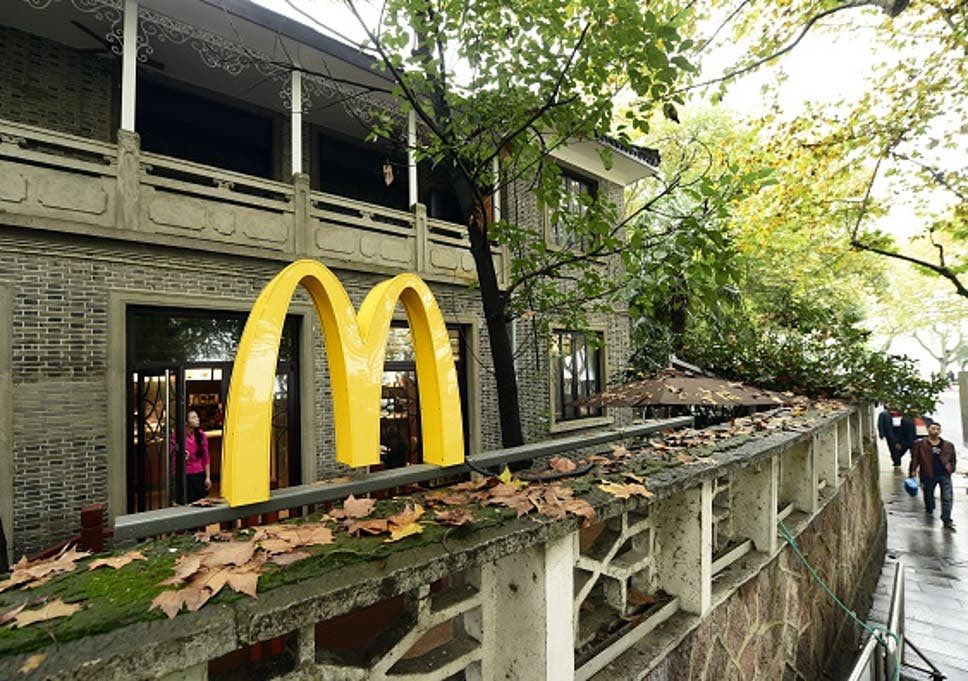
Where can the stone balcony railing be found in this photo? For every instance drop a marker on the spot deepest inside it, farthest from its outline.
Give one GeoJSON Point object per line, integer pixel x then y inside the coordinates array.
{"type": "Point", "coordinates": [550, 600]}
{"type": "Point", "coordinates": [60, 182]}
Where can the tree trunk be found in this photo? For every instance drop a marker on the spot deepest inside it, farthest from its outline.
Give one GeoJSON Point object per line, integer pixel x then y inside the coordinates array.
{"type": "Point", "coordinates": [494, 304]}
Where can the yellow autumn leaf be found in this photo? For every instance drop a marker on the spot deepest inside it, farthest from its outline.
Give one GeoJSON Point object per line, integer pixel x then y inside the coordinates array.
{"type": "Point", "coordinates": [399, 532]}
{"type": "Point", "coordinates": [505, 476]}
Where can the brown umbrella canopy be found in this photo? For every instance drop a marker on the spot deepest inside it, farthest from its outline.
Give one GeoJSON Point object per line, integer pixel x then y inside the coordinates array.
{"type": "Point", "coordinates": [672, 387]}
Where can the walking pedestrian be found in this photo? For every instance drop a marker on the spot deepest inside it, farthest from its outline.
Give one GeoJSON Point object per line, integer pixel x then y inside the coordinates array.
{"type": "Point", "coordinates": [898, 430]}
{"type": "Point", "coordinates": [936, 460]}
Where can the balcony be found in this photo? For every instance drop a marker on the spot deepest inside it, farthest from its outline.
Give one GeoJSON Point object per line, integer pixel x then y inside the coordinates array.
{"type": "Point", "coordinates": [57, 182]}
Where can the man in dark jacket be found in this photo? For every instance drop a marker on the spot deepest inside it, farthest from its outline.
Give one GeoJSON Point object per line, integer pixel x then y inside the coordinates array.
{"type": "Point", "coordinates": [936, 459]}
{"type": "Point", "coordinates": [899, 431]}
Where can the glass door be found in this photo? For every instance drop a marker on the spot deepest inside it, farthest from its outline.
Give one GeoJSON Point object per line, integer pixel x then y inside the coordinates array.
{"type": "Point", "coordinates": [155, 474]}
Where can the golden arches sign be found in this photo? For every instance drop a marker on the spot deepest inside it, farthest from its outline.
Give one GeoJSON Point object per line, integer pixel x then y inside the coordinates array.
{"type": "Point", "coordinates": [355, 348]}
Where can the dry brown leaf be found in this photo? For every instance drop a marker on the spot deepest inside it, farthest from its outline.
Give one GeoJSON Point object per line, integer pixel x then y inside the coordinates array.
{"type": "Point", "coordinates": [561, 464]}
{"type": "Point", "coordinates": [581, 508]}
{"type": "Point", "coordinates": [53, 610]}
{"type": "Point", "coordinates": [195, 597]}
{"type": "Point", "coordinates": [244, 582]}
{"type": "Point", "coordinates": [32, 662]}
{"type": "Point", "coordinates": [620, 451]}
{"type": "Point", "coordinates": [354, 508]}
{"type": "Point", "coordinates": [398, 532]}
{"type": "Point", "coordinates": [410, 514]}
{"type": "Point", "coordinates": [170, 602]}
{"type": "Point", "coordinates": [9, 616]}
{"type": "Point", "coordinates": [307, 535]}
{"type": "Point", "coordinates": [116, 562]}
{"type": "Point", "coordinates": [448, 498]}
{"type": "Point", "coordinates": [372, 526]}
{"type": "Point", "coordinates": [275, 546]}
{"type": "Point", "coordinates": [207, 536]}
{"type": "Point", "coordinates": [633, 477]}
{"type": "Point", "coordinates": [210, 580]}
{"type": "Point", "coordinates": [625, 491]}
{"type": "Point", "coordinates": [229, 553]}
{"type": "Point", "coordinates": [39, 572]}
{"type": "Point", "coordinates": [284, 559]}
{"type": "Point", "coordinates": [186, 566]}
{"type": "Point", "coordinates": [456, 516]}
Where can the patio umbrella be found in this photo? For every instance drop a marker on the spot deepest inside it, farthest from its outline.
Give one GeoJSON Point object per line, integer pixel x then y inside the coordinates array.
{"type": "Point", "coordinates": [672, 387]}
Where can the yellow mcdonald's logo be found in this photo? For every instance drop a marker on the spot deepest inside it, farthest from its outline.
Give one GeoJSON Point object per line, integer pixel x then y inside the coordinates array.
{"type": "Point", "coordinates": [355, 348]}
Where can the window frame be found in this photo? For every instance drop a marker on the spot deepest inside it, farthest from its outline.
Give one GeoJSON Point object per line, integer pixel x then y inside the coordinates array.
{"type": "Point", "coordinates": [558, 409]}
{"type": "Point", "coordinates": [551, 229]}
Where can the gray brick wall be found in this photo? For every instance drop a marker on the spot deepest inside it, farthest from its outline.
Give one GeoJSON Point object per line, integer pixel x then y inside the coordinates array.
{"type": "Point", "coordinates": [60, 289]}
{"type": "Point", "coordinates": [47, 84]}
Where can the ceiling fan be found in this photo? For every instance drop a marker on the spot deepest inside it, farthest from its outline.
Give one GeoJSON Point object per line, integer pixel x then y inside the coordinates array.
{"type": "Point", "coordinates": [107, 49]}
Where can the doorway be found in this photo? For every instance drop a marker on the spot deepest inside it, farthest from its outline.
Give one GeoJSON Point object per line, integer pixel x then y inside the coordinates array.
{"type": "Point", "coordinates": [180, 361]}
{"type": "Point", "coordinates": [400, 400]}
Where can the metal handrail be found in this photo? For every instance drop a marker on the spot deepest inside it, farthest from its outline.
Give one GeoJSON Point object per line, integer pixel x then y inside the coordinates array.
{"type": "Point", "coordinates": [149, 523]}
{"type": "Point", "coordinates": [880, 658]}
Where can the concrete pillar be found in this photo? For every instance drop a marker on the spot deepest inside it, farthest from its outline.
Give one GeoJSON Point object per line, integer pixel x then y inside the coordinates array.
{"type": "Point", "coordinates": [128, 182]}
{"type": "Point", "coordinates": [843, 443]}
{"type": "Point", "coordinates": [302, 236]}
{"type": "Point", "coordinates": [295, 121]}
{"type": "Point", "coordinates": [799, 483]}
{"type": "Point", "coordinates": [533, 634]}
{"type": "Point", "coordinates": [755, 500]}
{"type": "Point", "coordinates": [684, 547]}
{"type": "Point", "coordinates": [129, 64]}
{"type": "Point", "coordinates": [825, 445]}
{"type": "Point", "coordinates": [421, 231]}
{"type": "Point", "coordinates": [412, 158]}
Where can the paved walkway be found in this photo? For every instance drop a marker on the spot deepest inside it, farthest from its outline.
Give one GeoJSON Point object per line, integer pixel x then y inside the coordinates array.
{"type": "Point", "coordinates": [935, 561]}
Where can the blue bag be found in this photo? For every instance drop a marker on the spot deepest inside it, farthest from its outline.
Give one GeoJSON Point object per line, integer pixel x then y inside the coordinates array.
{"type": "Point", "coordinates": [911, 486]}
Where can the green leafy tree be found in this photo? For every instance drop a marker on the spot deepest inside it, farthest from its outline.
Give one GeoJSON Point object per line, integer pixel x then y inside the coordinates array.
{"type": "Point", "coordinates": [492, 81]}
{"type": "Point", "coordinates": [904, 129]}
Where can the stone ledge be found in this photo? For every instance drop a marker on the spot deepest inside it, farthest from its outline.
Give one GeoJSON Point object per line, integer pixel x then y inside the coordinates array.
{"type": "Point", "coordinates": [287, 608]}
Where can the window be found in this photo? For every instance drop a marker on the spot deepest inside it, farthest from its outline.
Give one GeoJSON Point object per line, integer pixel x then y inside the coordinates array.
{"type": "Point", "coordinates": [577, 373]}
{"type": "Point", "coordinates": [195, 128]}
{"type": "Point", "coordinates": [355, 169]}
{"type": "Point", "coordinates": [575, 188]}
{"type": "Point", "coordinates": [180, 360]}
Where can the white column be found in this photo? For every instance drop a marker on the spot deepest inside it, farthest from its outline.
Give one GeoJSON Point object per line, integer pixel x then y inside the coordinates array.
{"type": "Point", "coordinates": [684, 547]}
{"type": "Point", "coordinates": [412, 157]}
{"type": "Point", "coordinates": [129, 63]}
{"type": "Point", "coordinates": [295, 107]}
{"type": "Point", "coordinates": [532, 613]}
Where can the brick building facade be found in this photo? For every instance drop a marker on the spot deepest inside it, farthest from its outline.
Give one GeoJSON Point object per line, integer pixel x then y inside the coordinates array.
{"type": "Point", "coordinates": [92, 226]}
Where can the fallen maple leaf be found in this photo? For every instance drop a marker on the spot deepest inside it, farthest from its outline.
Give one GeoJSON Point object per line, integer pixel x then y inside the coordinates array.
{"type": "Point", "coordinates": [354, 508]}
{"type": "Point", "coordinates": [170, 602]}
{"type": "Point", "coordinates": [581, 508]}
{"type": "Point", "coordinates": [398, 532]}
{"type": "Point", "coordinates": [633, 477]}
{"type": "Point", "coordinates": [561, 464]}
{"type": "Point", "coordinates": [626, 490]}
{"type": "Point", "coordinates": [457, 517]}
{"type": "Point", "coordinates": [185, 567]}
{"type": "Point", "coordinates": [245, 582]}
{"type": "Point", "coordinates": [371, 526]}
{"type": "Point", "coordinates": [116, 562]}
{"type": "Point", "coordinates": [32, 662]}
{"type": "Point", "coordinates": [229, 553]}
{"type": "Point", "coordinates": [39, 572]}
{"type": "Point", "coordinates": [53, 610]}
{"type": "Point", "coordinates": [410, 514]}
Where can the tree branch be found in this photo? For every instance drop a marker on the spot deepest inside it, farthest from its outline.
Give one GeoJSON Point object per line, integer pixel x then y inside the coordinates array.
{"type": "Point", "coordinates": [782, 51]}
